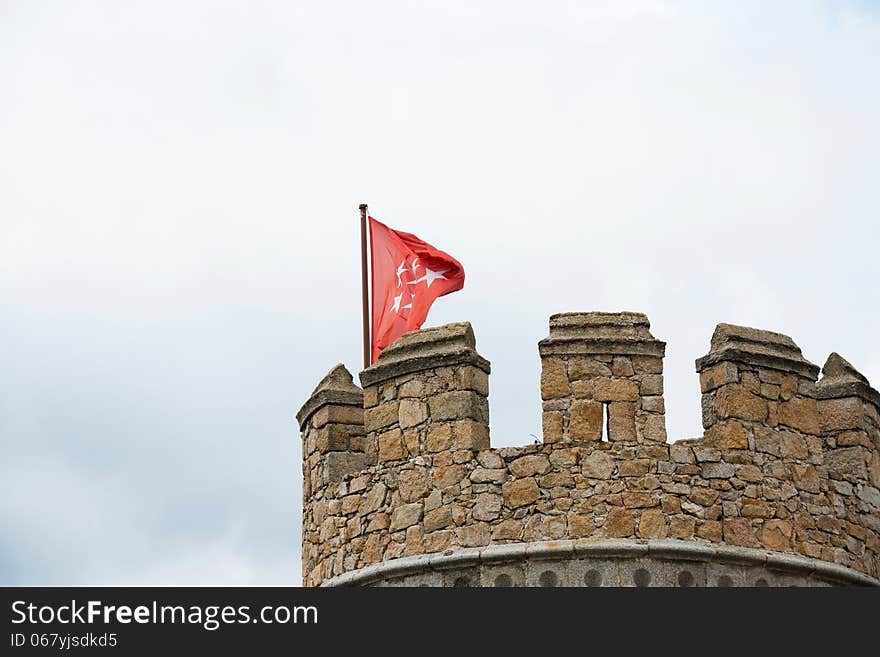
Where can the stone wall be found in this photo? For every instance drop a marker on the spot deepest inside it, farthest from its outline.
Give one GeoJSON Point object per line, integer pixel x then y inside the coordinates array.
{"type": "Point", "coordinates": [404, 467]}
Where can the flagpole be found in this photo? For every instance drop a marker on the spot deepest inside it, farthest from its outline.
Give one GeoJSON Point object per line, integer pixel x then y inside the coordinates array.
{"type": "Point", "coordinates": [365, 300]}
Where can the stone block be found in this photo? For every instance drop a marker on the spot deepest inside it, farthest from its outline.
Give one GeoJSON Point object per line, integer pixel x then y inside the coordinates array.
{"type": "Point", "coordinates": [736, 402]}
{"type": "Point", "coordinates": [335, 437]}
{"type": "Point", "coordinates": [405, 516]}
{"type": "Point", "coordinates": [633, 467]}
{"type": "Point", "coordinates": [652, 524]}
{"type": "Point", "coordinates": [520, 492]}
{"type": "Point", "coordinates": [586, 421]}
{"type": "Point", "coordinates": [622, 421]}
{"type": "Point", "coordinates": [439, 438]}
{"type": "Point", "coordinates": [339, 464]}
{"type": "Point", "coordinates": [391, 445]}
{"type": "Point", "coordinates": [412, 412]}
{"type": "Point", "coordinates": [647, 364]}
{"type": "Point", "coordinates": [438, 518]}
{"type": "Point", "coordinates": [847, 461]}
{"type": "Point", "coordinates": [651, 384]}
{"type": "Point", "coordinates": [581, 526]}
{"type": "Point", "coordinates": [551, 423]}
{"type": "Point", "coordinates": [381, 416]}
{"type": "Point", "coordinates": [470, 434]}
{"type": "Point", "coordinates": [458, 405]}
{"type": "Point", "coordinates": [529, 465]}
{"type": "Point", "coordinates": [554, 379]}
{"type": "Point", "coordinates": [738, 531]}
{"type": "Point", "coordinates": [587, 368]}
{"type": "Point", "coordinates": [841, 414]}
{"type": "Point", "coordinates": [717, 376]}
{"type": "Point", "coordinates": [621, 366]}
{"type": "Point", "coordinates": [597, 465]}
{"type": "Point", "coordinates": [619, 523]}
{"type": "Point", "coordinates": [727, 435]}
{"type": "Point", "coordinates": [653, 404]}
{"type": "Point", "coordinates": [610, 390]}
{"type": "Point", "coordinates": [778, 535]}
{"type": "Point", "coordinates": [800, 413]}
{"type": "Point", "coordinates": [654, 427]}
{"type": "Point", "coordinates": [718, 470]}
{"type": "Point", "coordinates": [472, 378]}
{"type": "Point", "coordinates": [338, 414]}
{"type": "Point", "coordinates": [487, 507]}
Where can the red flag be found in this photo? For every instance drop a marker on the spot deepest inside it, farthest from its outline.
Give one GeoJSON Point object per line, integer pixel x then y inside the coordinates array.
{"type": "Point", "coordinates": [408, 274]}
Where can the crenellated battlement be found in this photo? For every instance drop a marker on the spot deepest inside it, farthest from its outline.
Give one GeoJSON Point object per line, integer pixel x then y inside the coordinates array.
{"type": "Point", "coordinates": [402, 486]}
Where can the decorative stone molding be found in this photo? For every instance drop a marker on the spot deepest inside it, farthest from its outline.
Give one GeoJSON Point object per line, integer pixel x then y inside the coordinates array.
{"type": "Point", "coordinates": [431, 348]}
{"type": "Point", "coordinates": [605, 563]}
{"type": "Point", "coordinates": [586, 334]}
{"type": "Point", "coordinates": [748, 346]}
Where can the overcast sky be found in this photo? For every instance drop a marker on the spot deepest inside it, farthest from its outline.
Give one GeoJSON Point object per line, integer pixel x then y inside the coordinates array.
{"type": "Point", "coordinates": [179, 249]}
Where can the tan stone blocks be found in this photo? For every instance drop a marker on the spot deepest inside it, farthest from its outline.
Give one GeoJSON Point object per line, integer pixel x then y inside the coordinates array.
{"type": "Point", "coordinates": [586, 420]}
{"type": "Point", "coordinates": [529, 465]}
{"type": "Point", "coordinates": [335, 437]}
{"type": "Point", "coordinates": [470, 434]}
{"type": "Point", "coordinates": [654, 404]}
{"type": "Point", "coordinates": [581, 526]}
{"type": "Point", "coordinates": [458, 405]}
{"type": "Point", "coordinates": [390, 445]}
{"type": "Point", "coordinates": [777, 468]}
{"type": "Point", "coordinates": [622, 421]}
{"type": "Point", "coordinates": [438, 518]}
{"type": "Point", "coordinates": [633, 467]}
{"type": "Point", "coordinates": [736, 402]}
{"type": "Point", "coordinates": [717, 376]}
{"type": "Point", "coordinates": [439, 438]}
{"type": "Point", "coordinates": [338, 414]}
{"type": "Point", "coordinates": [727, 435]}
{"type": "Point", "coordinates": [847, 461]}
{"type": "Point", "coordinates": [710, 530]}
{"type": "Point", "coordinates": [381, 416]}
{"type": "Point", "coordinates": [681, 527]}
{"type": "Point", "coordinates": [619, 523]}
{"type": "Point", "coordinates": [647, 364]}
{"type": "Point", "coordinates": [412, 412]}
{"type": "Point", "coordinates": [778, 535]}
{"type": "Point", "coordinates": [841, 414]}
{"type": "Point", "coordinates": [653, 427]}
{"type": "Point", "coordinates": [608, 390]}
{"type": "Point", "coordinates": [752, 508]}
{"type": "Point", "coordinates": [651, 384]}
{"type": "Point", "coordinates": [449, 475]}
{"type": "Point", "coordinates": [597, 465]}
{"type": "Point", "coordinates": [405, 516]}
{"type": "Point", "coordinates": [588, 368]}
{"type": "Point", "coordinates": [471, 378]}
{"type": "Point", "coordinates": [800, 413]}
{"type": "Point", "coordinates": [412, 485]}
{"type": "Point", "coordinates": [551, 424]}
{"type": "Point", "coordinates": [508, 530]}
{"type": "Point", "coordinates": [487, 507]}
{"type": "Point", "coordinates": [639, 499]}
{"type": "Point", "coordinates": [738, 531]}
{"type": "Point", "coordinates": [554, 379]}
{"type": "Point", "coordinates": [520, 492]}
{"type": "Point", "coordinates": [621, 366]}
{"type": "Point", "coordinates": [652, 524]}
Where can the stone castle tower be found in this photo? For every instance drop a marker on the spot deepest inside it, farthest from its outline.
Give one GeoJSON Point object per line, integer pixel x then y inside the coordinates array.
{"type": "Point", "coordinates": [402, 487]}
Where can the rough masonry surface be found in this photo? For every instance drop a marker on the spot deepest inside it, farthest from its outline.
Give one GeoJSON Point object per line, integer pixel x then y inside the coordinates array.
{"type": "Point", "coordinates": [401, 485]}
